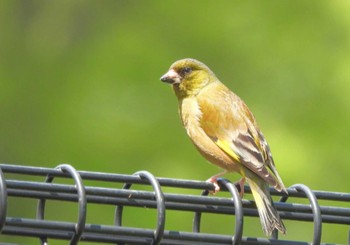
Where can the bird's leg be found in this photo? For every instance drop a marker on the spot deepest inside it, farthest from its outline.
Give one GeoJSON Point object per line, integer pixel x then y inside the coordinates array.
{"type": "Point", "coordinates": [213, 180]}
{"type": "Point", "coordinates": [241, 186]}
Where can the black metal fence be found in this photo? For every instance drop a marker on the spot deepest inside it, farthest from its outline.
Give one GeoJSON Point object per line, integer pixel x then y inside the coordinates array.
{"type": "Point", "coordinates": [156, 199]}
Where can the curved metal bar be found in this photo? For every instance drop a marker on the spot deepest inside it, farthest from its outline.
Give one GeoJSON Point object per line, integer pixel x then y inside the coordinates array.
{"type": "Point", "coordinates": [316, 211]}
{"type": "Point", "coordinates": [159, 231]}
{"type": "Point", "coordinates": [237, 238]}
{"type": "Point", "coordinates": [119, 209]}
{"type": "Point", "coordinates": [80, 225]}
{"type": "Point", "coordinates": [198, 216]}
{"type": "Point", "coordinates": [3, 200]}
{"type": "Point", "coordinates": [40, 213]}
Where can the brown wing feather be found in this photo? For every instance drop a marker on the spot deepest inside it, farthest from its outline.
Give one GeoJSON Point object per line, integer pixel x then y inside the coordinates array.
{"type": "Point", "coordinates": [239, 130]}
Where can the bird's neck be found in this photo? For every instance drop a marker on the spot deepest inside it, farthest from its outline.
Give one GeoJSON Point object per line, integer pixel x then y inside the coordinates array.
{"type": "Point", "coordinates": [187, 89]}
{"type": "Point", "coordinates": [182, 92]}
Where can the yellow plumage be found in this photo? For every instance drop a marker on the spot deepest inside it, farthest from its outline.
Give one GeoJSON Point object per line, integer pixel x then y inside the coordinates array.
{"type": "Point", "coordinates": [225, 132]}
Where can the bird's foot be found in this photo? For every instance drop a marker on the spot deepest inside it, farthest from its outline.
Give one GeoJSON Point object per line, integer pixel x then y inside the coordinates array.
{"type": "Point", "coordinates": [214, 181]}
{"type": "Point", "coordinates": [240, 183]}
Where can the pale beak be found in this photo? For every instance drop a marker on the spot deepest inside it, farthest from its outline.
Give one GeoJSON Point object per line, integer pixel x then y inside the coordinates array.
{"type": "Point", "coordinates": [171, 77]}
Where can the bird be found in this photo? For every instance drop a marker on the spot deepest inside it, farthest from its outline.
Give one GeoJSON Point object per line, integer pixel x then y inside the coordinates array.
{"type": "Point", "coordinates": [225, 132]}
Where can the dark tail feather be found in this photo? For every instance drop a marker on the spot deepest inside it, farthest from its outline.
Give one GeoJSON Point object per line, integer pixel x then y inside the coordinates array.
{"type": "Point", "coordinates": [269, 217]}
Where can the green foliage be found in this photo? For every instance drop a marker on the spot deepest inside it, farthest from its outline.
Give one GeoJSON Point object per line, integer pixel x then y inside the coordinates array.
{"type": "Point", "coordinates": [79, 83]}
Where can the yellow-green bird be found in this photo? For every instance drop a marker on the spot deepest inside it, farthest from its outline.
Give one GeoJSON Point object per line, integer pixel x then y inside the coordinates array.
{"type": "Point", "coordinates": [225, 132]}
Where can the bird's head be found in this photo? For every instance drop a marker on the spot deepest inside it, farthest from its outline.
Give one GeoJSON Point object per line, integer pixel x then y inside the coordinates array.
{"type": "Point", "coordinates": [188, 77]}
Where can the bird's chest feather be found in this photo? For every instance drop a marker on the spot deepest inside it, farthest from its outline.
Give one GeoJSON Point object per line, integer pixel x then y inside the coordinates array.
{"type": "Point", "coordinates": [191, 115]}
{"type": "Point", "coordinates": [195, 119]}
{"type": "Point", "coordinates": [201, 118]}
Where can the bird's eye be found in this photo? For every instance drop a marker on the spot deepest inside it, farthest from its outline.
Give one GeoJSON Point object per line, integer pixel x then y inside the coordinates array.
{"type": "Point", "coordinates": [186, 70]}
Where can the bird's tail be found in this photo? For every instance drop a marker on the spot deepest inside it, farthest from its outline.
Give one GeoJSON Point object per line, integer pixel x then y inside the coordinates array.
{"type": "Point", "coordinates": [269, 217]}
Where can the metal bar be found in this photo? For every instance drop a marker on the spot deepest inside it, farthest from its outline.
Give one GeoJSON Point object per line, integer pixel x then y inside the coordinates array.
{"type": "Point", "coordinates": [179, 183]}
{"type": "Point", "coordinates": [60, 189]}
{"type": "Point", "coordinates": [157, 199]}
{"type": "Point", "coordinates": [64, 230]}
{"type": "Point", "coordinates": [121, 178]}
{"type": "Point", "coordinates": [209, 204]}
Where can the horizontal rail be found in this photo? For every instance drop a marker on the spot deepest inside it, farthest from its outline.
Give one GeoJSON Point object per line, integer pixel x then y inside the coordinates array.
{"type": "Point", "coordinates": [122, 197]}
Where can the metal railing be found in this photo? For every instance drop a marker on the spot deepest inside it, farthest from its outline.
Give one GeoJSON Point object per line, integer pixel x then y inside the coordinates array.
{"type": "Point", "coordinates": [157, 199]}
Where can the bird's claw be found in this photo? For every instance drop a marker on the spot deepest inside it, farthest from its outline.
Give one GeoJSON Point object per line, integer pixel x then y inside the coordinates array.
{"type": "Point", "coordinates": [213, 180]}
{"type": "Point", "coordinates": [240, 183]}
{"type": "Point", "coordinates": [216, 185]}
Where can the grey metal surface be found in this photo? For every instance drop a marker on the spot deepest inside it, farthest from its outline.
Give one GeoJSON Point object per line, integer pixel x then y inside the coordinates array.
{"type": "Point", "coordinates": [158, 200]}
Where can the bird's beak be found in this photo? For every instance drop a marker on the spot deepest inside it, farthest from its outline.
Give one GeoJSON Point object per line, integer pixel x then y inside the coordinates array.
{"type": "Point", "coordinates": [171, 77]}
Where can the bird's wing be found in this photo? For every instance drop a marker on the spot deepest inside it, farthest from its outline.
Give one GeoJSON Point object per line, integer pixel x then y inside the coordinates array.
{"type": "Point", "coordinates": [230, 124]}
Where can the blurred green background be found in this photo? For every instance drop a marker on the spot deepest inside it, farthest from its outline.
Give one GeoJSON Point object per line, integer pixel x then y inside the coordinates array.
{"type": "Point", "coordinates": [79, 83]}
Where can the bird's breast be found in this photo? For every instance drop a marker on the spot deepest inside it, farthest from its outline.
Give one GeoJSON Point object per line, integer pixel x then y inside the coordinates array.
{"type": "Point", "coordinates": [191, 114]}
